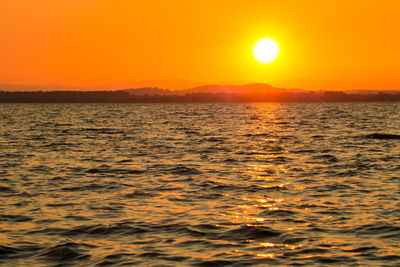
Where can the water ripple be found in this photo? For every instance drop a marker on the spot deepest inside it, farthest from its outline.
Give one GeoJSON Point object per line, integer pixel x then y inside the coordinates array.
{"type": "Point", "coordinates": [199, 184]}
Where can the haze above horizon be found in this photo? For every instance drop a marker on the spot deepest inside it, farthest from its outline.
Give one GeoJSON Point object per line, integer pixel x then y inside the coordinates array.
{"type": "Point", "coordinates": [180, 44]}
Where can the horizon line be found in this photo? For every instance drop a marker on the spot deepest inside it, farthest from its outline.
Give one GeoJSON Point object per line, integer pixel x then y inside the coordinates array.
{"type": "Point", "coordinates": [108, 87]}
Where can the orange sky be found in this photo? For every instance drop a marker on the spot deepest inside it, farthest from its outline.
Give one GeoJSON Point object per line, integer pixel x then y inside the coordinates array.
{"type": "Point", "coordinates": [176, 44]}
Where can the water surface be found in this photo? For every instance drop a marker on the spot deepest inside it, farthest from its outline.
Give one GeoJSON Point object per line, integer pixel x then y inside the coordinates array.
{"type": "Point", "coordinates": [199, 184]}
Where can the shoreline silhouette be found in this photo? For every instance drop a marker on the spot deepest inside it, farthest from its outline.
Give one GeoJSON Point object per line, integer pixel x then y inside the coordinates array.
{"type": "Point", "coordinates": [128, 96]}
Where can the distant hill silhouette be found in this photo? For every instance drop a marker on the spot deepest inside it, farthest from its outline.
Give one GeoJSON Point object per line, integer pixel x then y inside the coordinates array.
{"type": "Point", "coordinates": [254, 88]}
{"type": "Point", "coordinates": [148, 91]}
{"type": "Point", "coordinates": [256, 92]}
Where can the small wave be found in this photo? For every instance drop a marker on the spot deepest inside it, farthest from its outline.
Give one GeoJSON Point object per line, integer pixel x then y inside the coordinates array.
{"type": "Point", "coordinates": [333, 187]}
{"type": "Point", "coordinates": [175, 258]}
{"type": "Point", "coordinates": [361, 249]}
{"type": "Point", "coordinates": [210, 196]}
{"type": "Point", "coordinates": [27, 194]}
{"type": "Point", "coordinates": [107, 169]}
{"type": "Point", "coordinates": [191, 132]}
{"type": "Point", "coordinates": [184, 170]}
{"type": "Point", "coordinates": [55, 145]}
{"type": "Point", "coordinates": [180, 199]}
{"type": "Point", "coordinates": [380, 229]}
{"type": "Point", "coordinates": [256, 153]}
{"type": "Point", "coordinates": [313, 251]}
{"type": "Point", "coordinates": [56, 205]}
{"type": "Point", "coordinates": [259, 135]}
{"type": "Point", "coordinates": [333, 260]}
{"type": "Point", "coordinates": [77, 218]}
{"type": "Point", "coordinates": [139, 194]}
{"type": "Point", "coordinates": [390, 258]}
{"type": "Point", "coordinates": [91, 186]}
{"type": "Point", "coordinates": [326, 157]}
{"type": "Point", "coordinates": [102, 130]}
{"type": "Point", "coordinates": [6, 189]}
{"type": "Point", "coordinates": [15, 218]}
{"type": "Point", "coordinates": [119, 228]}
{"type": "Point", "coordinates": [118, 256]}
{"type": "Point", "coordinates": [279, 213]}
{"type": "Point", "coordinates": [229, 160]}
{"type": "Point", "coordinates": [303, 151]}
{"type": "Point", "coordinates": [382, 136]}
{"type": "Point", "coordinates": [274, 149]}
{"type": "Point", "coordinates": [152, 255]}
{"type": "Point", "coordinates": [195, 242]}
{"type": "Point", "coordinates": [65, 252]}
{"type": "Point", "coordinates": [293, 240]}
{"type": "Point", "coordinates": [5, 250]}
{"type": "Point", "coordinates": [117, 259]}
{"type": "Point", "coordinates": [41, 169]}
{"type": "Point", "coordinates": [270, 187]}
{"type": "Point", "coordinates": [250, 232]}
{"type": "Point", "coordinates": [250, 188]}
{"type": "Point", "coordinates": [214, 139]}
{"type": "Point", "coordinates": [125, 161]}
{"type": "Point", "coordinates": [214, 263]}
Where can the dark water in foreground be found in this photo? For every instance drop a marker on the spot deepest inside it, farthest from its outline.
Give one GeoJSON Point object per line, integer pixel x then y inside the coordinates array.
{"type": "Point", "coordinates": [199, 184]}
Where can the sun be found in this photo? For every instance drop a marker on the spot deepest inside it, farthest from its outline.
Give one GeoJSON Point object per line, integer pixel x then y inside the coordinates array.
{"type": "Point", "coordinates": [266, 50]}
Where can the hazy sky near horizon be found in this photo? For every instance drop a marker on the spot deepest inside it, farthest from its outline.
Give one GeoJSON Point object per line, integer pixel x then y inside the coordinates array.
{"type": "Point", "coordinates": [324, 44]}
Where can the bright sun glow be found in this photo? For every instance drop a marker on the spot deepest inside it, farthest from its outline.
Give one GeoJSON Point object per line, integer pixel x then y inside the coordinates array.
{"type": "Point", "coordinates": [266, 50]}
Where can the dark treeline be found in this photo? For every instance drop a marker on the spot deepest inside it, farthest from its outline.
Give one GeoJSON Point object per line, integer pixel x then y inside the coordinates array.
{"type": "Point", "coordinates": [125, 97]}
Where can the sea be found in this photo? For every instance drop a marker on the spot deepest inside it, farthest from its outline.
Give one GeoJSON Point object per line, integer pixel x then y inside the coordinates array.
{"type": "Point", "coordinates": [240, 184]}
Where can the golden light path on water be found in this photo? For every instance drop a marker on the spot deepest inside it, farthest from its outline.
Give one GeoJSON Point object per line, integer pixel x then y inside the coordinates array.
{"type": "Point", "coordinates": [248, 213]}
